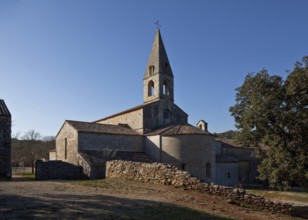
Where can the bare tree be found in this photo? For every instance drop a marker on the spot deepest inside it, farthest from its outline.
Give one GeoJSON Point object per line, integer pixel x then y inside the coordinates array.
{"type": "Point", "coordinates": [16, 135]}
{"type": "Point", "coordinates": [32, 146]}
{"type": "Point", "coordinates": [32, 135]}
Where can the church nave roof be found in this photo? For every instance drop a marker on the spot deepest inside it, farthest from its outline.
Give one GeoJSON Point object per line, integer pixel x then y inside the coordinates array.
{"type": "Point", "coordinates": [101, 128]}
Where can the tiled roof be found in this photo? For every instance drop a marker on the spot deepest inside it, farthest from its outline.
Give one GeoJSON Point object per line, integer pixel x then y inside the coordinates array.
{"type": "Point", "coordinates": [4, 111]}
{"type": "Point", "coordinates": [99, 157]}
{"type": "Point", "coordinates": [180, 129]}
{"type": "Point", "coordinates": [101, 128]}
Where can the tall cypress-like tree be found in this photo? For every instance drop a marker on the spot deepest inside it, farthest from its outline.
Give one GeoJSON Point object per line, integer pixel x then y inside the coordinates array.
{"type": "Point", "coordinates": [274, 112]}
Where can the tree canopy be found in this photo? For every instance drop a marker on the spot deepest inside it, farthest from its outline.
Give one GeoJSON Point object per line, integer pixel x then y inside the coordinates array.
{"type": "Point", "coordinates": [227, 134]}
{"type": "Point", "coordinates": [274, 112]}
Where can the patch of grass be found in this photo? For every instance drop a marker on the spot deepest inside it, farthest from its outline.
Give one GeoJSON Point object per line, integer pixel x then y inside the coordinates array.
{"type": "Point", "coordinates": [244, 205]}
{"type": "Point", "coordinates": [282, 195]}
{"type": "Point", "coordinates": [252, 207]}
{"type": "Point", "coordinates": [28, 175]}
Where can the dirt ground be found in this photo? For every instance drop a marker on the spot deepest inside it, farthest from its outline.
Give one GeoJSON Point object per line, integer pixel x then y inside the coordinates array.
{"type": "Point", "coordinates": [114, 199]}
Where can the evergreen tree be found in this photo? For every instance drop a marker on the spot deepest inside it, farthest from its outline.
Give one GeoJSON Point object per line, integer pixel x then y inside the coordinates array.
{"type": "Point", "coordinates": [274, 112]}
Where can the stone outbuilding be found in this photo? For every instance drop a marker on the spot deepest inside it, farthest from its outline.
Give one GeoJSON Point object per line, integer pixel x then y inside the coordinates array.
{"type": "Point", "coordinates": [235, 165]}
{"type": "Point", "coordinates": [89, 145]}
{"type": "Point", "coordinates": [5, 141]}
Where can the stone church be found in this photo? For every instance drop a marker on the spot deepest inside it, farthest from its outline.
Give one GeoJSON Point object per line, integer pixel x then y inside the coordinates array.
{"type": "Point", "coordinates": [155, 131]}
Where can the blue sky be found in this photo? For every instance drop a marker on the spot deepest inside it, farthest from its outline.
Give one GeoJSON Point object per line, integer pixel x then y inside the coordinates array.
{"type": "Point", "coordinates": [85, 60]}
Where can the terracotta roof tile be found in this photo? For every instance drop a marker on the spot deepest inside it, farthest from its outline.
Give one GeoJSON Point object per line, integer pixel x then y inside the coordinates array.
{"type": "Point", "coordinates": [181, 129]}
{"type": "Point", "coordinates": [101, 128]}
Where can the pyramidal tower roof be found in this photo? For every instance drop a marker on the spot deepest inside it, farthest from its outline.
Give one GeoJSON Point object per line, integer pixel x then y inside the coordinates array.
{"type": "Point", "coordinates": [4, 111]}
{"type": "Point", "coordinates": [158, 57]}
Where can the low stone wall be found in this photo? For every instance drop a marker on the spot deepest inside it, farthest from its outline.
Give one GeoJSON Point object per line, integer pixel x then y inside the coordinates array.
{"type": "Point", "coordinates": [158, 173]}
{"type": "Point", "coordinates": [56, 169]}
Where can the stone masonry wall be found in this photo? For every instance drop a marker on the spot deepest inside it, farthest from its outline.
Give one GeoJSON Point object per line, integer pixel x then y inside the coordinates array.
{"type": "Point", "coordinates": [5, 146]}
{"type": "Point", "coordinates": [57, 170]}
{"type": "Point", "coordinates": [164, 174]}
{"type": "Point", "coordinates": [133, 118]}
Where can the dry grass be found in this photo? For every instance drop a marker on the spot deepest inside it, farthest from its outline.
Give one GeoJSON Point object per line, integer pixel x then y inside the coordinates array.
{"type": "Point", "coordinates": [300, 198]}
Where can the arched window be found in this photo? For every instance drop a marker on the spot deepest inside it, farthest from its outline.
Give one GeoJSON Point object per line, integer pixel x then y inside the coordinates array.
{"type": "Point", "coordinates": [151, 88]}
{"type": "Point", "coordinates": [65, 148]}
{"type": "Point", "coordinates": [208, 168]}
{"type": "Point", "coordinates": [151, 70]}
{"type": "Point", "coordinates": [166, 88]}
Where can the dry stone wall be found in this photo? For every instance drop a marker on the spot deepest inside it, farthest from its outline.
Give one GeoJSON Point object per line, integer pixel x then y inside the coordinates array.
{"type": "Point", "coordinates": [164, 174]}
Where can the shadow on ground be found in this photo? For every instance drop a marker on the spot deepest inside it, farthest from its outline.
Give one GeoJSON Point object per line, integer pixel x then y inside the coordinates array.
{"type": "Point", "coordinates": [67, 206]}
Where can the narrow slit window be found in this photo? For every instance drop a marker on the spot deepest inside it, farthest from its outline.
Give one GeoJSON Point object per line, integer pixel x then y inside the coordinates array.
{"type": "Point", "coordinates": [65, 148]}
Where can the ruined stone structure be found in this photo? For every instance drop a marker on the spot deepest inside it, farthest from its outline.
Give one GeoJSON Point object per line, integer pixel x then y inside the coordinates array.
{"type": "Point", "coordinates": [157, 130]}
{"type": "Point", "coordinates": [5, 141]}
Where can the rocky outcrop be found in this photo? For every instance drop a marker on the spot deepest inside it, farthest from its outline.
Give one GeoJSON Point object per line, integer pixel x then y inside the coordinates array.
{"type": "Point", "coordinates": [164, 174]}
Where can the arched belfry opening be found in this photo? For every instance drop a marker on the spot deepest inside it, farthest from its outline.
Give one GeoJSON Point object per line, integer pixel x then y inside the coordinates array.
{"type": "Point", "coordinates": [166, 88]}
{"type": "Point", "coordinates": [151, 88]}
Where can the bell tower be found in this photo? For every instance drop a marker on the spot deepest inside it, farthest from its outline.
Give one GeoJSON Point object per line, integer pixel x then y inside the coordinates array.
{"type": "Point", "coordinates": [158, 77]}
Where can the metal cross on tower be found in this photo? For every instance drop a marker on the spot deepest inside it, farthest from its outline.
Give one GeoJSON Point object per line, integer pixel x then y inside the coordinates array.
{"type": "Point", "coordinates": [157, 24]}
